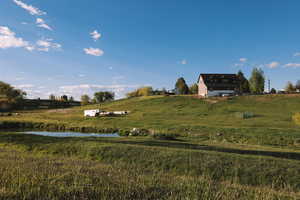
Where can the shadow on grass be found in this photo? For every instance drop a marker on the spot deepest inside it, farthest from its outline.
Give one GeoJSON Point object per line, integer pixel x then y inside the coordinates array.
{"type": "Point", "coordinates": [32, 140]}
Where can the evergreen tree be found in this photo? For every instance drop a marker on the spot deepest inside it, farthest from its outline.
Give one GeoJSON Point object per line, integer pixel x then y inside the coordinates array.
{"type": "Point", "coordinates": [244, 83]}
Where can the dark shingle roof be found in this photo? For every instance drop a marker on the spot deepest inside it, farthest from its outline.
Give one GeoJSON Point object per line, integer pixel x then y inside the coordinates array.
{"type": "Point", "coordinates": [220, 81]}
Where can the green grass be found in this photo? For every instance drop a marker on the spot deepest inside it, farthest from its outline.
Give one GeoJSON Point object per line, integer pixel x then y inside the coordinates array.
{"type": "Point", "coordinates": [196, 149]}
{"type": "Point", "coordinates": [271, 122]}
{"type": "Point", "coordinates": [33, 167]}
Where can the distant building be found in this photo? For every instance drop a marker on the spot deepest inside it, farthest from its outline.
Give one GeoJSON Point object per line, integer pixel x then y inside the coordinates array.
{"type": "Point", "coordinates": [217, 85]}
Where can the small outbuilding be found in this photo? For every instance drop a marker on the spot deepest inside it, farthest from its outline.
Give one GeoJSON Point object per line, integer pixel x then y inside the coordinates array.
{"type": "Point", "coordinates": [210, 85]}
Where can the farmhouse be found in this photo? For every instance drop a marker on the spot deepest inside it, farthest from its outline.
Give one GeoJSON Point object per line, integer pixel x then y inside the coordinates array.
{"type": "Point", "coordinates": [217, 84]}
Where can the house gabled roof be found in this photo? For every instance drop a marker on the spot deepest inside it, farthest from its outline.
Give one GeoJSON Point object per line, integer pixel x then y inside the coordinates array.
{"type": "Point", "coordinates": [220, 81]}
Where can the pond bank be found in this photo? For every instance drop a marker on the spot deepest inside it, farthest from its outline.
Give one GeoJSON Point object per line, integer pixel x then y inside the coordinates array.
{"type": "Point", "coordinates": [38, 126]}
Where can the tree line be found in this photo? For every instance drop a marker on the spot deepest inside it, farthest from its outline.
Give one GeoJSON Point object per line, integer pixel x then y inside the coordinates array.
{"type": "Point", "coordinates": [291, 88]}
{"type": "Point", "coordinates": [99, 97]}
{"type": "Point", "coordinates": [255, 85]}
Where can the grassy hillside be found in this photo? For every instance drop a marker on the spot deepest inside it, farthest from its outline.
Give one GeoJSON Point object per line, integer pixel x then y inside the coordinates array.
{"type": "Point", "coordinates": [240, 148]}
{"type": "Point", "coordinates": [213, 119]}
{"type": "Point", "coordinates": [181, 112]}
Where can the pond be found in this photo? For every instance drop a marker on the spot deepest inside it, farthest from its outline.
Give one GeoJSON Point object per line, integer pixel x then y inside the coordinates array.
{"type": "Point", "coordinates": [71, 134]}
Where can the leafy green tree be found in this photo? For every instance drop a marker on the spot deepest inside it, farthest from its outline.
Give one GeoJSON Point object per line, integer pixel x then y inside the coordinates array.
{"type": "Point", "coordinates": [273, 91]}
{"type": "Point", "coordinates": [104, 96]}
{"type": "Point", "coordinates": [257, 81]}
{"type": "Point", "coordinates": [290, 88]}
{"type": "Point", "coordinates": [181, 87]}
{"type": "Point", "coordinates": [244, 83]}
{"type": "Point", "coordinates": [194, 89]}
{"type": "Point", "coordinates": [85, 100]}
{"type": "Point", "coordinates": [12, 95]}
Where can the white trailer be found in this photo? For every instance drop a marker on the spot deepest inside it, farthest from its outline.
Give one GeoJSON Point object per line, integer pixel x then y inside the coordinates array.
{"type": "Point", "coordinates": [120, 112]}
{"type": "Point", "coordinates": [92, 113]}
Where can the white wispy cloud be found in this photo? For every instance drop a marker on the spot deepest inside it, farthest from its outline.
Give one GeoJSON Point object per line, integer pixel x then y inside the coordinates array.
{"type": "Point", "coordinates": [8, 39]}
{"type": "Point", "coordinates": [42, 24]}
{"type": "Point", "coordinates": [293, 65]}
{"type": "Point", "coordinates": [47, 44]}
{"type": "Point", "coordinates": [95, 35]}
{"type": "Point", "coordinates": [273, 65]}
{"type": "Point", "coordinates": [31, 9]}
{"type": "Point", "coordinates": [183, 62]}
{"type": "Point", "coordinates": [241, 63]}
{"type": "Point", "coordinates": [24, 86]}
{"type": "Point", "coordinates": [297, 54]}
{"type": "Point", "coordinates": [93, 51]}
{"type": "Point", "coordinates": [243, 60]}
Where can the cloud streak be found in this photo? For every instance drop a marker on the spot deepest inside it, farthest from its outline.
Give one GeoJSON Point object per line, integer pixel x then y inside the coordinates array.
{"type": "Point", "coordinates": [47, 44]}
{"type": "Point", "coordinates": [293, 65]}
{"type": "Point", "coordinates": [273, 65]}
{"type": "Point", "coordinates": [243, 60]}
{"type": "Point", "coordinates": [29, 8]}
{"type": "Point", "coordinates": [42, 24]}
{"type": "Point", "coordinates": [93, 51]}
{"type": "Point", "coordinates": [296, 54]}
{"type": "Point", "coordinates": [95, 35]}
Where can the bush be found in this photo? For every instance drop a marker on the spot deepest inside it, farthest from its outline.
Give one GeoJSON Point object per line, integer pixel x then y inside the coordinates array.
{"type": "Point", "coordinates": [296, 118]}
{"type": "Point", "coordinates": [244, 115]}
{"type": "Point", "coordinates": [143, 91]}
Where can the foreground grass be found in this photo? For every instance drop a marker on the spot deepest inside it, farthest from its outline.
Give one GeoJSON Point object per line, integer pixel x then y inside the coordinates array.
{"type": "Point", "coordinates": [61, 178]}
{"type": "Point", "coordinates": [34, 167]}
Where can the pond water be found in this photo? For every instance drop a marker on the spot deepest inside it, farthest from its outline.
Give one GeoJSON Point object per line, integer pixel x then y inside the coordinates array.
{"type": "Point", "coordinates": [71, 134]}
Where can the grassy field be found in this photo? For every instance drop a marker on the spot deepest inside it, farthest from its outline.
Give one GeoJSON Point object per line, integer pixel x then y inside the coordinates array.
{"type": "Point", "coordinates": [240, 148]}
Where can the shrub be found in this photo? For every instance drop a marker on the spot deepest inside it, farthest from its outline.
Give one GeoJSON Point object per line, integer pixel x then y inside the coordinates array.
{"type": "Point", "coordinates": [244, 115]}
{"type": "Point", "coordinates": [143, 91]}
{"type": "Point", "coordinates": [296, 118]}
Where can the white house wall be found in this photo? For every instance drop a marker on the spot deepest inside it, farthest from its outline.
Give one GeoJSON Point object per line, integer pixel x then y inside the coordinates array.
{"type": "Point", "coordinates": [202, 89]}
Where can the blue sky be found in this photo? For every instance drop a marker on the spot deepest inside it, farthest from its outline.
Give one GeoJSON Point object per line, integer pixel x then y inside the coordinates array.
{"type": "Point", "coordinates": [77, 47]}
